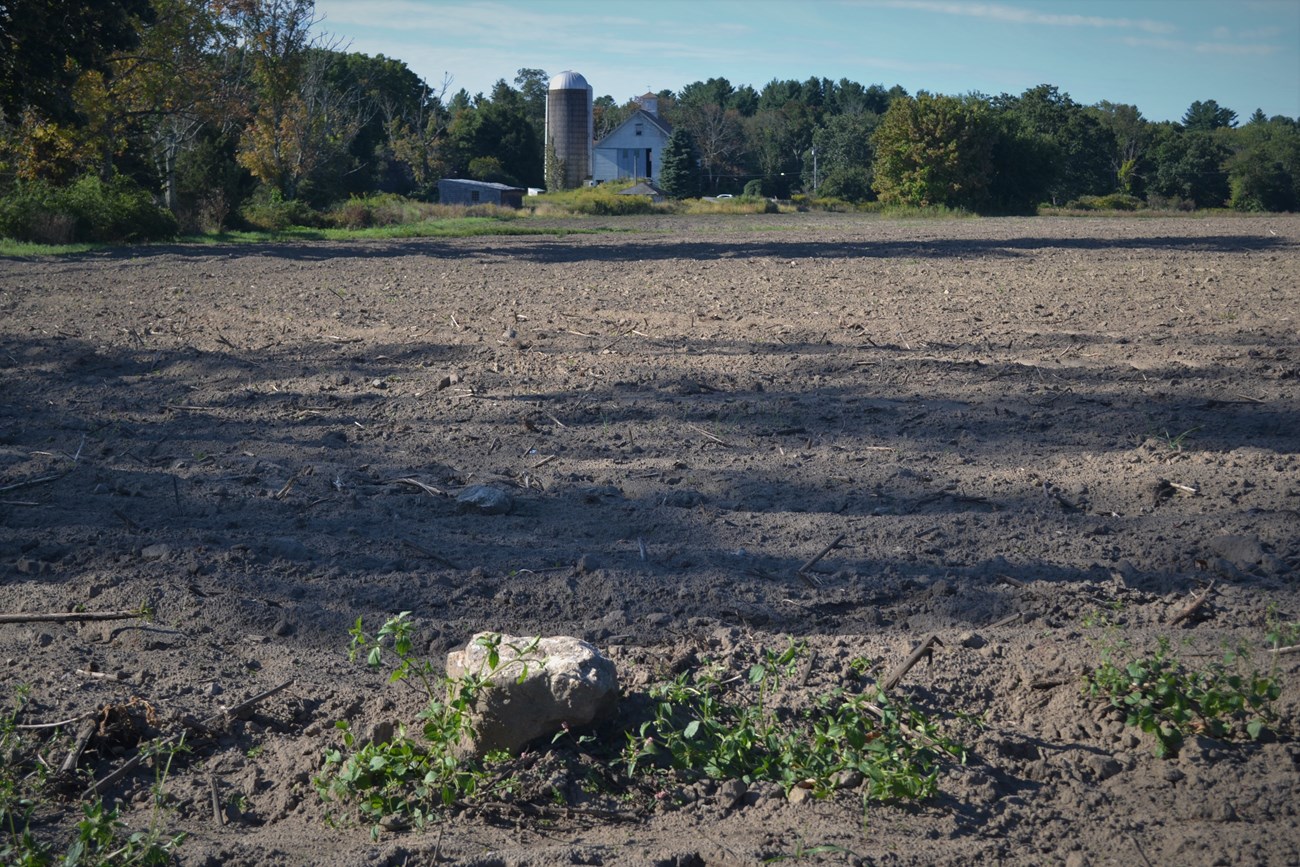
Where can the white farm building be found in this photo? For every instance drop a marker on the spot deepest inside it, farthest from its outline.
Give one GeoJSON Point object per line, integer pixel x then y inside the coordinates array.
{"type": "Point", "coordinates": [635, 148]}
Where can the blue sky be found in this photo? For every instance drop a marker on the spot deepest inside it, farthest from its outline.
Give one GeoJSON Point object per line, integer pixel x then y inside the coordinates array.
{"type": "Point", "coordinates": [1160, 55]}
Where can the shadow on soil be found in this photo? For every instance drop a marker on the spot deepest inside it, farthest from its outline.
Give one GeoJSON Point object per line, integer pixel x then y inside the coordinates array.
{"type": "Point", "coordinates": [278, 503]}
{"type": "Point", "coordinates": [605, 248]}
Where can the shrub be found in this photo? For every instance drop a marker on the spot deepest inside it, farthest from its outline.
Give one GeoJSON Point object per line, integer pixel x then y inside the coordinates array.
{"type": "Point", "coordinates": [390, 209]}
{"type": "Point", "coordinates": [1112, 202]}
{"type": "Point", "coordinates": [754, 188]}
{"type": "Point", "coordinates": [268, 211]}
{"type": "Point", "coordinates": [740, 205]}
{"type": "Point", "coordinates": [88, 210]}
{"type": "Point", "coordinates": [601, 201]}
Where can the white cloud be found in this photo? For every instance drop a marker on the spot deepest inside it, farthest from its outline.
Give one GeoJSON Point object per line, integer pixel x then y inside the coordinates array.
{"type": "Point", "coordinates": [1021, 15]}
{"type": "Point", "coordinates": [1239, 49]}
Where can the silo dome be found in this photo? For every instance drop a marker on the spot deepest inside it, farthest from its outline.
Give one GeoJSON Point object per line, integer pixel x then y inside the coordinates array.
{"type": "Point", "coordinates": [569, 129]}
{"type": "Point", "coordinates": [569, 80]}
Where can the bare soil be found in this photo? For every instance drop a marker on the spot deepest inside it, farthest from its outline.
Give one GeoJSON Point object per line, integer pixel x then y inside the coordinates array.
{"type": "Point", "coordinates": [1042, 417]}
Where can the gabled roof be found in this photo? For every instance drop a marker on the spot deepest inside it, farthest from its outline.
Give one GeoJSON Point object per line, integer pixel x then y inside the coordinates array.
{"type": "Point", "coordinates": [641, 116]}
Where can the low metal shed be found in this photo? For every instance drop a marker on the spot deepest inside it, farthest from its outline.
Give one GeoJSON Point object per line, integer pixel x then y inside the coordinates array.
{"type": "Point", "coordinates": [460, 191]}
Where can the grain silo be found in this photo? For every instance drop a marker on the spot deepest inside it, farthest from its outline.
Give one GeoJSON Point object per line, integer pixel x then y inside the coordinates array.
{"type": "Point", "coordinates": [569, 127]}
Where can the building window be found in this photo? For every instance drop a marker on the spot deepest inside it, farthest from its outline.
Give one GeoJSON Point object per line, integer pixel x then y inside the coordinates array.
{"type": "Point", "coordinates": [639, 128]}
{"type": "Point", "coordinates": [473, 196]}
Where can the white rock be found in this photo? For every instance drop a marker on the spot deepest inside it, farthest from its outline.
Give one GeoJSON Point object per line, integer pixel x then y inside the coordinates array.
{"type": "Point", "coordinates": [539, 685]}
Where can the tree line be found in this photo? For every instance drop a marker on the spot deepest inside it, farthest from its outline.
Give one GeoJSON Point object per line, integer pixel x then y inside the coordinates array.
{"type": "Point", "coordinates": [211, 109]}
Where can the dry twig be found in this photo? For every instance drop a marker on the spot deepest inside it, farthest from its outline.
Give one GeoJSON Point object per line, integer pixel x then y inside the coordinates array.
{"type": "Point", "coordinates": [816, 558]}
{"type": "Point", "coordinates": [1195, 606]}
{"type": "Point", "coordinates": [70, 616]}
{"type": "Point", "coordinates": [212, 722]}
{"type": "Point", "coordinates": [924, 649]}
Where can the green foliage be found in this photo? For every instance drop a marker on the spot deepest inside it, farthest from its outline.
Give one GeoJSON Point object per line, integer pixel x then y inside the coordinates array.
{"type": "Point", "coordinates": [708, 725]}
{"type": "Point", "coordinates": [88, 210]}
{"type": "Point", "coordinates": [679, 175]}
{"type": "Point", "coordinates": [844, 157]}
{"type": "Point", "coordinates": [389, 209]}
{"type": "Point", "coordinates": [1190, 166]}
{"type": "Point", "coordinates": [45, 46]}
{"type": "Point", "coordinates": [1264, 170]}
{"type": "Point", "coordinates": [1112, 202]}
{"type": "Point", "coordinates": [270, 211]}
{"type": "Point", "coordinates": [1165, 697]}
{"type": "Point", "coordinates": [852, 184]}
{"type": "Point", "coordinates": [934, 150]}
{"type": "Point", "coordinates": [101, 838]}
{"type": "Point", "coordinates": [405, 777]}
{"type": "Point", "coordinates": [1208, 116]}
{"type": "Point", "coordinates": [754, 188]}
{"type": "Point", "coordinates": [1079, 146]}
{"type": "Point", "coordinates": [600, 201]}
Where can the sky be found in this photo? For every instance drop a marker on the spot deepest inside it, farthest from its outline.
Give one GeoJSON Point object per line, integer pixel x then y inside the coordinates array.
{"type": "Point", "coordinates": [1160, 55]}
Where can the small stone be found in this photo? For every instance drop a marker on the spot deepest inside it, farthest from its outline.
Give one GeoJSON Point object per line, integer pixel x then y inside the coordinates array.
{"type": "Point", "coordinates": [973, 640]}
{"type": "Point", "coordinates": [762, 790]}
{"type": "Point", "coordinates": [486, 500]}
{"type": "Point", "coordinates": [1173, 775]}
{"type": "Point", "coordinates": [159, 551]}
{"type": "Point", "coordinates": [282, 627]}
{"type": "Point", "coordinates": [213, 689]}
{"type": "Point", "coordinates": [848, 779]}
{"type": "Point", "coordinates": [587, 564]}
{"type": "Point", "coordinates": [685, 499]}
{"type": "Point", "coordinates": [799, 794]}
{"type": "Point", "coordinates": [729, 793]}
{"type": "Point", "coordinates": [1103, 767]}
{"type": "Point", "coordinates": [378, 383]}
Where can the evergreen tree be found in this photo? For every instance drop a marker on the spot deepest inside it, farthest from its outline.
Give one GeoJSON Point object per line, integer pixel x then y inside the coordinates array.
{"type": "Point", "coordinates": [1208, 116]}
{"type": "Point", "coordinates": [679, 175]}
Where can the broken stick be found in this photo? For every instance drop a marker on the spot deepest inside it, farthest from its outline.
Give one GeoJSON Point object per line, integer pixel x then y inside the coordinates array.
{"type": "Point", "coordinates": [820, 554]}
{"type": "Point", "coordinates": [1195, 606]}
{"type": "Point", "coordinates": [67, 616]}
{"type": "Point", "coordinates": [88, 727]}
{"type": "Point", "coordinates": [925, 648]}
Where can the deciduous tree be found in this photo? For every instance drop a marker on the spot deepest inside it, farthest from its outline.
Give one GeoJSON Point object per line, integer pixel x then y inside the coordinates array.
{"type": "Point", "coordinates": [934, 150]}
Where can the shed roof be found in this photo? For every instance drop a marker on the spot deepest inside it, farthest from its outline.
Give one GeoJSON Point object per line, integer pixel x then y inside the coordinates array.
{"type": "Point", "coordinates": [482, 185]}
{"type": "Point", "coordinates": [641, 189]}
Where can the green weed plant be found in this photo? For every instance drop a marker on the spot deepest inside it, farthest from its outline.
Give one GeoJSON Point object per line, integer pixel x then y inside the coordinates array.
{"type": "Point", "coordinates": [409, 779]}
{"type": "Point", "coordinates": [1162, 695]}
{"type": "Point", "coordinates": [732, 728]}
{"type": "Point", "coordinates": [102, 838]}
